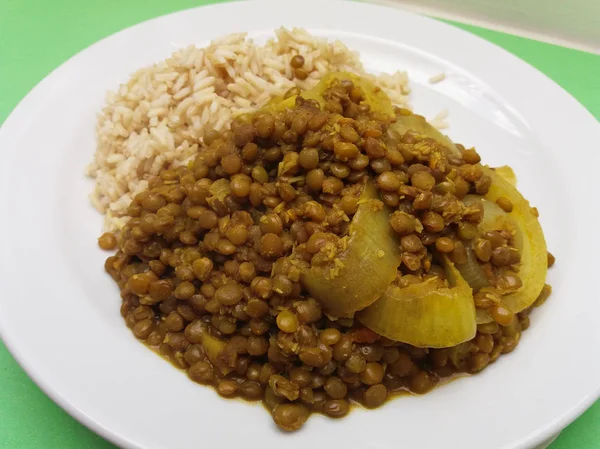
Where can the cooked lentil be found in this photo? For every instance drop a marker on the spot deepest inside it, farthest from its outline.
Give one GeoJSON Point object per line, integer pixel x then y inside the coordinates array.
{"type": "Point", "coordinates": [208, 263]}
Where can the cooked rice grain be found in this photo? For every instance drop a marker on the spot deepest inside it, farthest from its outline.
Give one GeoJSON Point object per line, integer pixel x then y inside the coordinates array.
{"type": "Point", "coordinates": [437, 78]}
{"type": "Point", "coordinates": [158, 118]}
{"type": "Point", "coordinates": [440, 121]}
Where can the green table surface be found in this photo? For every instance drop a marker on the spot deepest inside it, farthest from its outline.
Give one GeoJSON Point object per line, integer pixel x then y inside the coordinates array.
{"type": "Point", "coordinates": [38, 35]}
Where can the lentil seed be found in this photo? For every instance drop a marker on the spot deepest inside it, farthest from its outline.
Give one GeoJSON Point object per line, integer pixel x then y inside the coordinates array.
{"type": "Point", "coordinates": [204, 256]}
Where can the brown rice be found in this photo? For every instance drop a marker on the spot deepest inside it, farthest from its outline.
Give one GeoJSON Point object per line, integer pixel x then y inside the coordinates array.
{"type": "Point", "coordinates": [437, 78]}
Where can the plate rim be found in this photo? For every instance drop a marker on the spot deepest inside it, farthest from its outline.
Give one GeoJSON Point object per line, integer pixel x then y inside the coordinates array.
{"type": "Point", "coordinates": [96, 426]}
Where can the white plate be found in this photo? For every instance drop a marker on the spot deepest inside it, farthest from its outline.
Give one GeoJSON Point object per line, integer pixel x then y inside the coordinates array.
{"type": "Point", "coordinates": [59, 312]}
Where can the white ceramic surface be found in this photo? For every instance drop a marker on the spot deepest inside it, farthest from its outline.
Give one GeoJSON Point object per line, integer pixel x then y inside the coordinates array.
{"type": "Point", "coordinates": [59, 311]}
{"type": "Point", "coordinates": [568, 24]}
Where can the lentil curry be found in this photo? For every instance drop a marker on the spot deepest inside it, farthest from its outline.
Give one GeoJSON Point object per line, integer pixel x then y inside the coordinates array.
{"type": "Point", "coordinates": [329, 250]}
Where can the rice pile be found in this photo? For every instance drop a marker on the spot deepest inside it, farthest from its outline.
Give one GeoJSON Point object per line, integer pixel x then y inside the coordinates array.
{"type": "Point", "coordinates": [158, 118]}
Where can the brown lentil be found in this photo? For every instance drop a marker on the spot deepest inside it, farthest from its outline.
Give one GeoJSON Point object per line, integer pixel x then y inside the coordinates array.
{"type": "Point", "coordinates": [290, 417]}
{"type": "Point", "coordinates": [330, 337]}
{"type": "Point", "coordinates": [433, 221]}
{"type": "Point", "coordinates": [411, 243]}
{"type": "Point", "coordinates": [422, 180]}
{"type": "Point", "coordinates": [459, 254]}
{"type": "Point", "coordinates": [287, 321]}
{"type": "Point", "coordinates": [297, 61]}
{"type": "Point", "coordinates": [345, 151]}
{"type": "Point", "coordinates": [467, 231]}
{"type": "Point", "coordinates": [505, 204]}
{"type": "Point", "coordinates": [502, 315]}
{"type": "Point", "coordinates": [389, 181]}
{"type": "Point", "coordinates": [301, 74]}
{"type": "Point", "coordinates": [471, 157]}
{"type": "Point", "coordinates": [402, 223]}
{"type": "Point", "coordinates": [372, 374]}
{"type": "Point", "coordinates": [355, 363]}
{"type": "Point", "coordinates": [205, 279]}
{"type": "Point", "coordinates": [314, 179]}
{"type": "Point", "coordinates": [336, 407]}
{"type": "Point", "coordinates": [501, 256]}
{"type": "Point", "coordinates": [335, 388]}
{"type": "Point", "coordinates": [374, 396]}
{"type": "Point", "coordinates": [107, 241]}
{"type": "Point", "coordinates": [444, 245]}
{"type": "Point", "coordinates": [483, 250]}
{"type": "Point", "coordinates": [543, 296]}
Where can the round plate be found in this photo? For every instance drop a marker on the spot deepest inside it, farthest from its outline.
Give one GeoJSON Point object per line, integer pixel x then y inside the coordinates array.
{"type": "Point", "coordinates": [59, 311]}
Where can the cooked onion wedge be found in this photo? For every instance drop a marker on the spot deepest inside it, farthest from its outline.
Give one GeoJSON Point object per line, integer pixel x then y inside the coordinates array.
{"type": "Point", "coordinates": [377, 100]}
{"type": "Point", "coordinates": [362, 265]}
{"type": "Point", "coordinates": [411, 122]}
{"type": "Point", "coordinates": [431, 314]}
{"type": "Point", "coordinates": [528, 235]}
{"type": "Point", "coordinates": [528, 239]}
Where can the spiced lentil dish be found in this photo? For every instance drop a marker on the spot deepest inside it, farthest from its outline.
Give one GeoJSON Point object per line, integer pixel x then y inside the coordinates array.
{"type": "Point", "coordinates": [328, 249]}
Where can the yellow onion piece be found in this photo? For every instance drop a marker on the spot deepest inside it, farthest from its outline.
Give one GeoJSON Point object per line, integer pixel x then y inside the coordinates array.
{"type": "Point", "coordinates": [361, 265]}
{"type": "Point", "coordinates": [411, 122]}
{"type": "Point", "coordinates": [377, 100]}
{"type": "Point", "coordinates": [528, 240]}
{"type": "Point", "coordinates": [432, 314]}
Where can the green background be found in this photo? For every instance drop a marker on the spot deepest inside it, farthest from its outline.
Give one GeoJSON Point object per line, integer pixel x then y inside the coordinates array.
{"type": "Point", "coordinates": [38, 35]}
